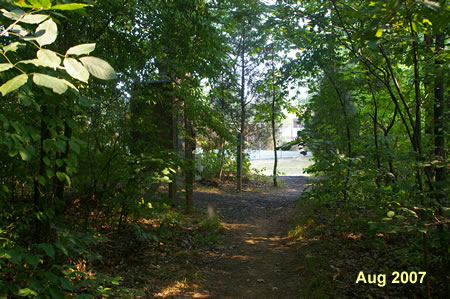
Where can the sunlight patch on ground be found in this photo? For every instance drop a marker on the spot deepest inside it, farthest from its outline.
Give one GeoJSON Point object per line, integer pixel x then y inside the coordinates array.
{"type": "Point", "coordinates": [237, 226]}
{"type": "Point", "coordinates": [181, 288]}
{"type": "Point", "coordinates": [240, 257]}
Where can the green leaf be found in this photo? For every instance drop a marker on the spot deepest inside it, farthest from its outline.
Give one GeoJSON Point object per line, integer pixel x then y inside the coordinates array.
{"type": "Point", "coordinates": [57, 294]}
{"type": "Point", "coordinates": [13, 84]}
{"type": "Point", "coordinates": [61, 247]}
{"type": "Point", "coordinates": [98, 68]}
{"type": "Point", "coordinates": [51, 276]}
{"type": "Point", "coordinates": [48, 249]}
{"type": "Point", "coordinates": [58, 86]}
{"type": "Point", "coordinates": [32, 260]}
{"type": "Point", "coordinates": [12, 47]}
{"type": "Point", "coordinates": [24, 154]}
{"type": "Point", "coordinates": [50, 173]}
{"type": "Point", "coordinates": [426, 21]}
{"type": "Point", "coordinates": [70, 6]}
{"type": "Point", "coordinates": [41, 3]}
{"type": "Point", "coordinates": [423, 230]}
{"type": "Point", "coordinates": [379, 33]}
{"type": "Point", "coordinates": [116, 280]}
{"type": "Point", "coordinates": [67, 284]}
{"type": "Point", "coordinates": [13, 153]}
{"type": "Point", "coordinates": [63, 176]}
{"type": "Point", "coordinates": [76, 69]}
{"type": "Point", "coordinates": [46, 33]}
{"type": "Point", "coordinates": [61, 145]}
{"type": "Point", "coordinates": [74, 146]}
{"type": "Point", "coordinates": [5, 66]}
{"type": "Point", "coordinates": [27, 292]}
{"type": "Point", "coordinates": [390, 214]}
{"type": "Point", "coordinates": [46, 160]}
{"type": "Point", "coordinates": [82, 49]}
{"type": "Point", "coordinates": [59, 162]}
{"type": "Point", "coordinates": [5, 188]}
{"type": "Point", "coordinates": [47, 145]}
{"type": "Point", "coordinates": [41, 180]}
{"type": "Point", "coordinates": [49, 58]}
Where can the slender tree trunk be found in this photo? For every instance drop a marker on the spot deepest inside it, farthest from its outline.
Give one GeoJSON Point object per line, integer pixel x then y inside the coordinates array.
{"type": "Point", "coordinates": [439, 151]}
{"type": "Point", "coordinates": [243, 114]}
{"type": "Point", "coordinates": [274, 98]}
{"type": "Point", "coordinates": [172, 119]}
{"type": "Point", "coordinates": [344, 111]}
{"type": "Point", "coordinates": [222, 158]}
{"type": "Point", "coordinates": [190, 159]}
{"type": "Point", "coordinates": [439, 114]}
{"type": "Point", "coordinates": [174, 133]}
{"type": "Point", "coordinates": [375, 125]}
{"type": "Point", "coordinates": [222, 140]}
{"type": "Point", "coordinates": [347, 130]}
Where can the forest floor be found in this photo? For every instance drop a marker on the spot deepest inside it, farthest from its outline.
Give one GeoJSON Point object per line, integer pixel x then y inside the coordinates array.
{"type": "Point", "coordinates": [256, 243]}
{"type": "Point", "coordinates": [256, 259]}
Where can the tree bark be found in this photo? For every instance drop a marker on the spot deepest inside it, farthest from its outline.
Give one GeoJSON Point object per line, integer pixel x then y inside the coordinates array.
{"type": "Point", "coordinates": [189, 155]}
{"type": "Point", "coordinates": [243, 113]}
{"type": "Point", "coordinates": [274, 98]}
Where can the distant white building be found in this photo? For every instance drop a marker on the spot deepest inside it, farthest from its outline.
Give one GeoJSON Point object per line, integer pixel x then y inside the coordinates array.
{"type": "Point", "coordinates": [289, 128]}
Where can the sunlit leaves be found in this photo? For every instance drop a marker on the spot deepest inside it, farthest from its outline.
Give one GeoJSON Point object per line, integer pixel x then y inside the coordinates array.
{"type": "Point", "coordinates": [430, 4]}
{"type": "Point", "coordinates": [49, 58]}
{"type": "Point", "coordinates": [5, 66]}
{"type": "Point", "coordinates": [47, 4]}
{"type": "Point", "coordinates": [379, 33]}
{"type": "Point", "coordinates": [46, 32]}
{"type": "Point", "coordinates": [57, 85]}
{"type": "Point", "coordinates": [34, 3]}
{"type": "Point", "coordinates": [83, 49]}
{"type": "Point", "coordinates": [13, 84]}
{"type": "Point", "coordinates": [12, 47]}
{"type": "Point", "coordinates": [76, 69]}
{"type": "Point", "coordinates": [69, 6]}
{"type": "Point", "coordinates": [19, 30]}
{"type": "Point", "coordinates": [23, 17]}
{"type": "Point", "coordinates": [98, 68]}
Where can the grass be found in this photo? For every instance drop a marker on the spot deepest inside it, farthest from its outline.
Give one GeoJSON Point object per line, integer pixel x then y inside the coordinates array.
{"type": "Point", "coordinates": [287, 167]}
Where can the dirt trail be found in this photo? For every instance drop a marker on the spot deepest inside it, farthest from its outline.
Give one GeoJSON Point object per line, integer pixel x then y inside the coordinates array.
{"type": "Point", "coordinates": [256, 259]}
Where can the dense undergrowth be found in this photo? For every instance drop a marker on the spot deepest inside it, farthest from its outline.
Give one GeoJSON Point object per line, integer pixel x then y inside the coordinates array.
{"type": "Point", "coordinates": [338, 240]}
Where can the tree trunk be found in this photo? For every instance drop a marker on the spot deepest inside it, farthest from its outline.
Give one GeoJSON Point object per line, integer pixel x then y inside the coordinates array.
{"type": "Point", "coordinates": [222, 158]}
{"type": "Point", "coordinates": [274, 98]}
{"type": "Point", "coordinates": [243, 114]}
{"type": "Point", "coordinates": [439, 151]}
{"type": "Point", "coordinates": [375, 124]}
{"type": "Point", "coordinates": [189, 155]}
{"type": "Point", "coordinates": [174, 133]}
